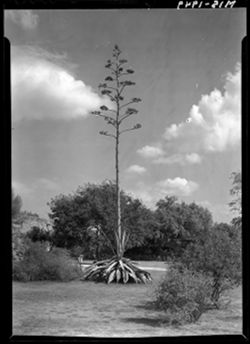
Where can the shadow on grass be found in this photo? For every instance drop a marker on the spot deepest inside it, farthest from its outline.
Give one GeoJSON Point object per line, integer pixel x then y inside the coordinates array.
{"type": "Point", "coordinates": [149, 306]}
{"type": "Point", "coordinates": [153, 322]}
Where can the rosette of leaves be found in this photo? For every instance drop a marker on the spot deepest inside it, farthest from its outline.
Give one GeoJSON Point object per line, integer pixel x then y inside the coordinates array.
{"type": "Point", "coordinates": [116, 271]}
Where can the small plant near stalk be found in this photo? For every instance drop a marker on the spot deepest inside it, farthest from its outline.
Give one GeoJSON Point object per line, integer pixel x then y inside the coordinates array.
{"type": "Point", "coordinates": [117, 269]}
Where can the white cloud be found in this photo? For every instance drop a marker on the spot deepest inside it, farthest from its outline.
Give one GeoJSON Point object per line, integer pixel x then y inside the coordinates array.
{"type": "Point", "coordinates": [136, 169]}
{"type": "Point", "coordinates": [150, 151]}
{"type": "Point", "coordinates": [193, 158]}
{"type": "Point", "coordinates": [173, 159]}
{"type": "Point", "coordinates": [215, 123]}
{"type": "Point", "coordinates": [177, 186]}
{"type": "Point", "coordinates": [151, 194]}
{"type": "Point", "coordinates": [181, 159]}
{"type": "Point", "coordinates": [27, 19]}
{"type": "Point", "coordinates": [43, 88]}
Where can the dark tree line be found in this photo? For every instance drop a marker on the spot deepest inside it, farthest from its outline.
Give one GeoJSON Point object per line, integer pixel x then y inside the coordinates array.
{"type": "Point", "coordinates": [84, 222]}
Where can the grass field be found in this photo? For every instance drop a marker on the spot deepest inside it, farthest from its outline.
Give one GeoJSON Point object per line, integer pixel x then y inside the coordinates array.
{"type": "Point", "coordinates": [99, 310]}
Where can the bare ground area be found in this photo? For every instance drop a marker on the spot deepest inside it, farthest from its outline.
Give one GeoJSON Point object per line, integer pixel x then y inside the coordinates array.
{"type": "Point", "coordinates": [99, 310]}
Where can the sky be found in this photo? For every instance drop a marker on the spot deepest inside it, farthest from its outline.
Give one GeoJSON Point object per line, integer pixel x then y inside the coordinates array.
{"type": "Point", "coordinates": [187, 67]}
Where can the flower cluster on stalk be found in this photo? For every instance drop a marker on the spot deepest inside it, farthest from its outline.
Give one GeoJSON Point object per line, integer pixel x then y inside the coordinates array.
{"type": "Point", "coordinates": [113, 88]}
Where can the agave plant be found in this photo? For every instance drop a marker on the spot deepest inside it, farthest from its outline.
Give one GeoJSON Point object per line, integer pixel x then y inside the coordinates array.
{"type": "Point", "coordinates": [117, 269]}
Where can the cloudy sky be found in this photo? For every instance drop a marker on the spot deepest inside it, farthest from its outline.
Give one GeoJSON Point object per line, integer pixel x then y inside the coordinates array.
{"type": "Point", "coordinates": [188, 74]}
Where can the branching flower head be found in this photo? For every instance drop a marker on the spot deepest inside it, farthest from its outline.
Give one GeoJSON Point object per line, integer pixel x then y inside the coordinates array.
{"type": "Point", "coordinates": [106, 92]}
{"type": "Point", "coordinates": [104, 108]}
{"type": "Point", "coordinates": [96, 113]}
{"type": "Point", "coordinates": [103, 132]}
{"type": "Point", "coordinates": [137, 126]}
{"type": "Point", "coordinates": [102, 85]}
{"type": "Point", "coordinates": [136, 100]}
{"type": "Point", "coordinates": [109, 78]}
{"type": "Point", "coordinates": [131, 111]}
{"type": "Point", "coordinates": [123, 61]}
{"type": "Point", "coordinates": [127, 83]}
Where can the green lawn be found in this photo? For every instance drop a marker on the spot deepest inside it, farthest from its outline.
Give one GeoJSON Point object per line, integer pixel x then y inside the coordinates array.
{"type": "Point", "coordinates": [90, 309]}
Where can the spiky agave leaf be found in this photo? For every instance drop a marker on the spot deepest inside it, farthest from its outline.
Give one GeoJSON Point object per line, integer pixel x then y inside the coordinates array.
{"type": "Point", "coordinates": [111, 266]}
{"type": "Point", "coordinates": [121, 264]}
{"type": "Point", "coordinates": [125, 276]}
{"type": "Point", "coordinates": [133, 275]}
{"type": "Point", "coordinates": [118, 275]}
{"type": "Point", "coordinates": [111, 276]}
{"type": "Point", "coordinates": [95, 267]}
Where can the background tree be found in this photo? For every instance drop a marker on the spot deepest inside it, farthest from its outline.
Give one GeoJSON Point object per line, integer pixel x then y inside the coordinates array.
{"type": "Point", "coordinates": [114, 87]}
{"type": "Point", "coordinates": [211, 252]}
{"type": "Point", "coordinates": [69, 217]}
{"type": "Point", "coordinates": [216, 254]}
{"type": "Point", "coordinates": [18, 246]}
{"type": "Point", "coordinates": [236, 194]}
{"type": "Point", "coordinates": [16, 205]}
{"type": "Point", "coordinates": [38, 234]}
{"type": "Point", "coordinates": [178, 224]}
{"type": "Point", "coordinates": [94, 207]}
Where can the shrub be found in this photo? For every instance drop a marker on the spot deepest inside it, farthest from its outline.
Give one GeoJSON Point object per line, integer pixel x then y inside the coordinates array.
{"type": "Point", "coordinates": [18, 244]}
{"type": "Point", "coordinates": [38, 234]}
{"type": "Point", "coordinates": [218, 254]}
{"type": "Point", "coordinates": [39, 264]}
{"type": "Point", "coordinates": [183, 294]}
{"type": "Point", "coordinates": [209, 265]}
{"type": "Point", "coordinates": [76, 251]}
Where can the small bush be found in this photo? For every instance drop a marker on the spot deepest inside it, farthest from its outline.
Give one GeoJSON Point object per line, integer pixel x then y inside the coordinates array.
{"type": "Point", "coordinates": [76, 251]}
{"type": "Point", "coordinates": [184, 295]}
{"type": "Point", "coordinates": [38, 234]}
{"type": "Point", "coordinates": [39, 264]}
{"type": "Point", "coordinates": [218, 255]}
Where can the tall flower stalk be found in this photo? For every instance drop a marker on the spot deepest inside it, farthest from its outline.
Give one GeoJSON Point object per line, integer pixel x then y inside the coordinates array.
{"type": "Point", "coordinates": [118, 268]}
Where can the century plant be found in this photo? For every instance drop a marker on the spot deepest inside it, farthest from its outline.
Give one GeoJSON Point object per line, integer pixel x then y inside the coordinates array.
{"type": "Point", "coordinates": [118, 268]}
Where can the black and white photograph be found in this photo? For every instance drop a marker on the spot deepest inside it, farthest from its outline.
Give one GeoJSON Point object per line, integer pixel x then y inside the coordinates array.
{"type": "Point", "coordinates": [126, 171]}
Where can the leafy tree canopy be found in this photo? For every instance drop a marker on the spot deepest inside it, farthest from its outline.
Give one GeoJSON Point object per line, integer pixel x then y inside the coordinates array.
{"type": "Point", "coordinates": [218, 255]}
{"type": "Point", "coordinates": [94, 206]}
{"type": "Point", "coordinates": [180, 223]}
{"type": "Point", "coordinates": [236, 194]}
{"type": "Point", "coordinates": [16, 205]}
{"type": "Point", "coordinates": [38, 234]}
